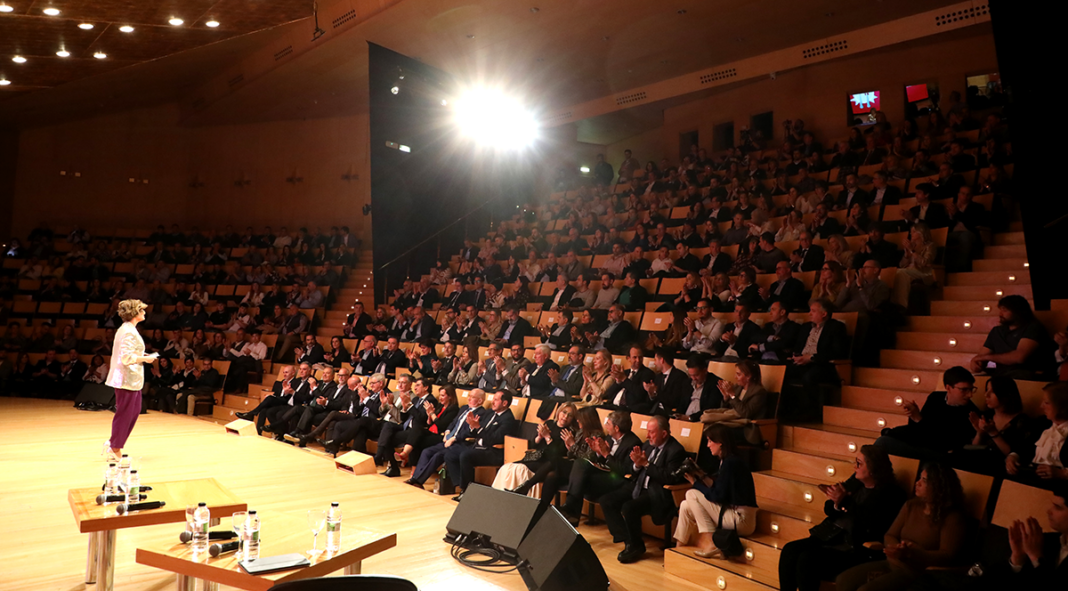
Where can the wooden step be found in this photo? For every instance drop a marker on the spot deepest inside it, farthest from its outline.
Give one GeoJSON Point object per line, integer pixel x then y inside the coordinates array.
{"type": "Point", "coordinates": [897, 379]}
{"type": "Point", "coordinates": [879, 399]}
{"type": "Point", "coordinates": [987, 265]}
{"type": "Point", "coordinates": [792, 489]}
{"type": "Point", "coordinates": [717, 574]}
{"type": "Point", "coordinates": [781, 523]}
{"type": "Point", "coordinates": [792, 462]}
{"type": "Point", "coordinates": [983, 292]}
{"type": "Point", "coordinates": [965, 324]}
{"type": "Point", "coordinates": [940, 341]}
{"type": "Point", "coordinates": [223, 413]}
{"type": "Point", "coordinates": [925, 360]}
{"type": "Point", "coordinates": [998, 279]}
{"type": "Point", "coordinates": [240, 403]}
{"type": "Point", "coordinates": [1006, 238]}
{"type": "Point", "coordinates": [1008, 251]}
{"type": "Point", "coordinates": [968, 308]}
{"type": "Point", "coordinates": [824, 440]}
{"type": "Point", "coordinates": [859, 418]}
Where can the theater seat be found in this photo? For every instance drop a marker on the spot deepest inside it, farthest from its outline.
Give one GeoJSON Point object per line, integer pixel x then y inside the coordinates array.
{"type": "Point", "coordinates": [349, 583]}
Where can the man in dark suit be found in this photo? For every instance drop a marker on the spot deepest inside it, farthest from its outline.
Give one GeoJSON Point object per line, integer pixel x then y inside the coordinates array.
{"type": "Point", "coordinates": [566, 383]}
{"type": "Point", "coordinates": [71, 374]}
{"type": "Point", "coordinates": [281, 419]}
{"type": "Point", "coordinates": [391, 358]}
{"type": "Point", "coordinates": [458, 297]}
{"type": "Point", "coordinates": [884, 252]}
{"type": "Point", "coordinates": [787, 290]}
{"type": "Point", "coordinates": [280, 392]}
{"type": "Point", "coordinates": [206, 383]}
{"type": "Point", "coordinates": [399, 322]}
{"type": "Point", "coordinates": [514, 328]}
{"type": "Point", "coordinates": [458, 434]}
{"type": "Point", "coordinates": [777, 338]}
{"type": "Point", "coordinates": [563, 293]}
{"type": "Point", "coordinates": [630, 390]}
{"type": "Point", "coordinates": [932, 214]}
{"type": "Point", "coordinates": [367, 357]}
{"type": "Point", "coordinates": [477, 296]}
{"type": "Point", "coordinates": [704, 390]}
{"type": "Point", "coordinates": [426, 296]}
{"type": "Point", "coordinates": [715, 261]}
{"type": "Point", "coordinates": [413, 412]}
{"type": "Point", "coordinates": [539, 382]}
{"type": "Point", "coordinates": [606, 471]}
{"type": "Point", "coordinates": [851, 193]}
{"type": "Point", "coordinates": [311, 353]}
{"type": "Point", "coordinates": [460, 462]}
{"type": "Point", "coordinates": [367, 415]}
{"type": "Point", "coordinates": [653, 466]}
{"type": "Point", "coordinates": [558, 336]}
{"type": "Point", "coordinates": [670, 390]}
{"type": "Point", "coordinates": [819, 342]}
{"type": "Point", "coordinates": [617, 336]}
{"type": "Point", "coordinates": [358, 323]}
{"type": "Point", "coordinates": [807, 256]}
{"type": "Point", "coordinates": [737, 335]}
{"type": "Point", "coordinates": [882, 193]}
{"type": "Point", "coordinates": [331, 399]}
{"type": "Point", "coordinates": [421, 327]}
{"type": "Point", "coordinates": [823, 226]}
{"type": "Point", "coordinates": [633, 295]}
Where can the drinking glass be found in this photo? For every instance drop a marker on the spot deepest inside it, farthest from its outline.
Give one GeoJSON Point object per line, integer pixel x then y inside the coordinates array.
{"type": "Point", "coordinates": [239, 519]}
{"type": "Point", "coordinates": [189, 510]}
{"type": "Point", "coordinates": [316, 521]}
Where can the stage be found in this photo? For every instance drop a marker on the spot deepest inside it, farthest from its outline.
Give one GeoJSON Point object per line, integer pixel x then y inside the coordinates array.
{"type": "Point", "coordinates": [48, 447]}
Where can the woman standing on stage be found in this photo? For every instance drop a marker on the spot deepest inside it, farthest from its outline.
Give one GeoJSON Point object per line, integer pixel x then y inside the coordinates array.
{"type": "Point", "coordinates": [127, 375]}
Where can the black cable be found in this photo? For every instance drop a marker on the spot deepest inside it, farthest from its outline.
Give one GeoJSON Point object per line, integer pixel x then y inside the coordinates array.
{"type": "Point", "coordinates": [493, 563]}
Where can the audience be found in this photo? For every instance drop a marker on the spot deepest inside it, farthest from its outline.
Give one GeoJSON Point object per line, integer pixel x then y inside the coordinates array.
{"type": "Point", "coordinates": [943, 425]}
{"type": "Point", "coordinates": [1019, 346]}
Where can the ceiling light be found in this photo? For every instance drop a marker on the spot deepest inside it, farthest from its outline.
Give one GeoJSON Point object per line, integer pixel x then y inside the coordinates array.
{"type": "Point", "coordinates": [63, 53]}
{"type": "Point", "coordinates": [176, 21]}
{"type": "Point", "coordinates": [126, 29]}
{"type": "Point", "coordinates": [18, 59]}
{"type": "Point", "coordinates": [5, 8]}
{"type": "Point", "coordinates": [212, 23]}
{"type": "Point", "coordinates": [51, 11]}
{"type": "Point", "coordinates": [100, 55]}
{"type": "Point", "coordinates": [395, 90]}
{"type": "Point", "coordinates": [444, 102]}
{"type": "Point", "coordinates": [4, 82]}
{"type": "Point", "coordinates": [535, 9]}
{"type": "Point", "coordinates": [85, 26]}
{"type": "Point", "coordinates": [470, 36]}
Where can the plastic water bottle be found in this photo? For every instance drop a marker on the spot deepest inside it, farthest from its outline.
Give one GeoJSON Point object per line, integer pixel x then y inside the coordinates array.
{"type": "Point", "coordinates": [201, 519]}
{"type": "Point", "coordinates": [111, 479]}
{"type": "Point", "coordinates": [333, 528]}
{"type": "Point", "coordinates": [252, 536]}
{"type": "Point", "coordinates": [124, 472]}
{"type": "Point", "coordinates": [133, 488]}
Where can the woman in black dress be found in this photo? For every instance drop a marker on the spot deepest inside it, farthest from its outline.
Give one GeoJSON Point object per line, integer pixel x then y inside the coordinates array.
{"type": "Point", "coordinates": [422, 436]}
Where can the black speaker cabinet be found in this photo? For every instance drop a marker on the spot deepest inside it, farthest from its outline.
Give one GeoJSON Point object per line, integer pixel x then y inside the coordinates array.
{"type": "Point", "coordinates": [98, 393]}
{"type": "Point", "coordinates": [557, 558]}
{"type": "Point", "coordinates": [501, 516]}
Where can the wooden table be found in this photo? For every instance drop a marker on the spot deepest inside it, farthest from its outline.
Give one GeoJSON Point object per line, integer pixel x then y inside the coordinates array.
{"type": "Point", "coordinates": [102, 522]}
{"type": "Point", "coordinates": [279, 534]}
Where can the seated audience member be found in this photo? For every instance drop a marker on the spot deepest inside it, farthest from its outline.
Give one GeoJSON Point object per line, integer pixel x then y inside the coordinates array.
{"type": "Point", "coordinates": [1019, 346]}
{"type": "Point", "coordinates": [545, 452]}
{"type": "Point", "coordinates": [726, 500]}
{"type": "Point", "coordinates": [421, 327]}
{"type": "Point", "coordinates": [820, 341]}
{"type": "Point", "coordinates": [617, 336]}
{"type": "Point", "coordinates": [558, 336]}
{"type": "Point", "coordinates": [598, 379]}
{"type": "Point", "coordinates": [1037, 560]}
{"type": "Point", "coordinates": [704, 396]}
{"type": "Point", "coordinates": [929, 531]}
{"type": "Point", "coordinates": [1050, 459]}
{"type": "Point", "coordinates": [311, 353]}
{"type": "Point", "coordinates": [458, 433]}
{"type": "Point", "coordinates": [882, 251]}
{"type": "Point", "coordinates": [787, 290]}
{"type": "Point", "coordinates": [534, 378]}
{"type": "Point", "coordinates": [744, 400]}
{"type": "Point", "coordinates": [206, 380]}
{"type": "Point", "coordinates": [859, 510]}
{"type": "Point", "coordinates": [460, 462]}
{"type": "Point", "coordinates": [823, 226]}
{"type": "Point", "coordinates": [46, 374]}
{"type": "Point", "coordinates": [716, 261]}
{"type": "Point", "coordinates": [777, 338]}
{"type": "Point", "coordinates": [933, 214]}
{"type": "Point", "coordinates": [633, 296]}
{"type": "Point", "coordinates": [669, 393]}
{"type": "Point", "coordinates": [281, 392]}
{"type": "Point", "coordinates": [71, 374]}
{"type": "Point", "coordinates": [851, 193]}
{"type": "Point", "coordinates": [704, 332]}
{"type": "Point", "coordinates": [377, 407]}
{"type": "Point", "coordinates": [367, 357]}
{"type": "Point", "coordinates": [830, 282]}
{"type": "Point", "coordinates": [608, 294]}
{"type": "Point", "coordinates": [868, 293]}
{"type": "Point", "coordinates": [941, 426]}
{"type": "Point", "coordinates": [768, 257]}
{"type": "Point", "coordinates": [838, 251]}
{"type": "Point", "coordinates": [963, 243]}
{"type": "Point", "coordinates": [292, 328]}
{"type": "Point", "coordinates": [747, 291]}
{"type": "Point", "coordinates": [414, 414]}
{"type": "Point", "coordinates": [652, 466]}
{"type": "Point", "coordinates": [465, 368]}
{"type": "Point", "coordinates": [337, 354]}
{"type": "Point", "coordinates": [1000, 430]}
{"type": "Point", "coordinates": [604, 469]}
{"type": "Point", "coordinates": [738, 335]}
{"type": "Point", "coordinates": [334, 399]}
{"type": "Point", "coordinates": [514, 328]}
{"type": "Point", "coordinates": [916, 264]}
{"type": "Point", "coordinates": [807, 256]}
{"type": "Point", "coordinates": [428, 433]}
{"type": "Point", "coordinates": [391, 358]}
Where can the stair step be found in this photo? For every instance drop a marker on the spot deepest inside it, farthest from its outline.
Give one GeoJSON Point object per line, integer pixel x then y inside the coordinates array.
{"type": "Point", "coordinates": [861, 418]}
{"type": "Point", "coordinates": [984, 292]}
{"type": "Point", "coordinates": [223, 413]}
{"type": "Point", "coordinates": [965, 324]}
{"type": "Point", "coordinates": [792, 462]}
{"type": "Point", "coordinates": [1006, 238]}
{"type": "Point", "coordinates": [832, 440]}
{"type": "Point", "coordinates": [711, 573]}
{"type": "Point", "coordinates": [967, 308]}
{"type": "Point", "coordinates": [940, 341]}
{"type": "Point", "coordinates": [925, 360]}
{"type": "Point", "coordinates": [897, 379]}
{"type": "Point", "coordinates": [239, 403]}
{"type": "Point", "coordinates": [997, 279]}
{"type": "Point", "coordinates": [879, 399]}
{"type": "Point", "coordinates": [781, 523]}
{"type": "Point", "coordinates": [1007, 264]}
{"type": "Point", "coordinates": [792, 489]}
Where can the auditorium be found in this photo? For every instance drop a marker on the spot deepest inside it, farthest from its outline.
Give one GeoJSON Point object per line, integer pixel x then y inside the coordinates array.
{"type": "Point", "coordinates": [414, 295]}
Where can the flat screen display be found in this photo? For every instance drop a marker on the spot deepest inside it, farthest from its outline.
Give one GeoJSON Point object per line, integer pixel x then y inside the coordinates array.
{"type": "Point", "coordinates": [864, 102]}
{"type": "Point", "coordinates": [916, 92]}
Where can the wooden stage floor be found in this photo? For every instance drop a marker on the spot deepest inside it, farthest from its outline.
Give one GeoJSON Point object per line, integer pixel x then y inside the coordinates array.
{"type": "Point", "coordinates": [48, 447]}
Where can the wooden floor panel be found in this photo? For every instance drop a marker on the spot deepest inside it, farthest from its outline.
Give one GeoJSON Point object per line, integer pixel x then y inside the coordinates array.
{"type": "Point", "coordinates": [47, 447]}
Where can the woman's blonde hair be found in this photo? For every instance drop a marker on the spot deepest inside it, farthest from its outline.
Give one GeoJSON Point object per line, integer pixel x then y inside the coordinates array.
{"type": "Point", "coordinates": [129, 309]}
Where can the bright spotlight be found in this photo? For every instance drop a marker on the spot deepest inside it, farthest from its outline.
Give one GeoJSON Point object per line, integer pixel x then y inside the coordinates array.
{"type": "Point", "coordinates": [493, 119]}
{"type": "Point", "coordinates": [584, 169]}
{"type": "Point", "coordinates": [395, 90]}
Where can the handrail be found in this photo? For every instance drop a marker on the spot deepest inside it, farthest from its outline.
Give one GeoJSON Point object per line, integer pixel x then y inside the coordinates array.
{"type": "Point", "coordinates": [435, 234]}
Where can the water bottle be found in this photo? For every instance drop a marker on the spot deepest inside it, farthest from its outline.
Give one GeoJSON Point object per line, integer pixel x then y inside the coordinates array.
{"type": "Point", "coordinates": [333, 528]}
{"type": "Point", "coordinates": [111, 479]}
{"type": "Point", "coordinates": [252, 536]}
{"type": "Point", "coordinates": [201, 519]}
{"type": "Point", "coordinates": [124, 472]}
{"type": "Point", "coordinates": [133, 488]}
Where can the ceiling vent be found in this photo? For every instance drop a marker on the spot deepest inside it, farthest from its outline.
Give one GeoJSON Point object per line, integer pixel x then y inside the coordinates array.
{"type": "Point", "coordinates": [629, 99]}
{"type": "Point", "coordinates": [344, 18]}
{"type": "Point", "coordinates": [717, 76]}
{"type": "Point", "coordinates": [283, 52]}
{"type": "Point", "coordinates": [965, 14]}
{"type": "Point", "coordinates": [824, 49]}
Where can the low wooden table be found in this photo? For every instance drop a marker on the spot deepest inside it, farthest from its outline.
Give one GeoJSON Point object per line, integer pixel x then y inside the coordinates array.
{"type": "Point", "coordinates": [102, 522]}
{"type": "Point", "coordinates": [279, 534]}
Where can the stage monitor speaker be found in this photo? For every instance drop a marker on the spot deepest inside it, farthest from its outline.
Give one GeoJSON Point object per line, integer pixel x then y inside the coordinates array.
{"type": "Point", "coordinates": [356, 463]}
{"type": "Point", "coordinates": [557, 558]}
{"type": "Point", "coordinates": [98, 393]}
{"type": "Point", "coordinates": [503, 517]}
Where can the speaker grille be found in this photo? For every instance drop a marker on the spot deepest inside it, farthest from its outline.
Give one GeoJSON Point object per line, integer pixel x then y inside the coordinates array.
{"type": "Point", "coordinates": [961, 15]}
{"type": "Point", "coordinates": [283, 52]}
{"type": "Point", "coordinates": [344, 18]}
{"type": "Point", "coordinates": [717, 76]}
{"type": "Point", "coordinates": [631, 98]}
{"type": "Point", "coordinates": [824, 49]}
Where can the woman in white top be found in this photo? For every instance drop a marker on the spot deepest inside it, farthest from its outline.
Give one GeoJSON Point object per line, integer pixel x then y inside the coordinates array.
{"type": "Point", "coordinates": [127, 375]}
{"type": "Point", "coordinates": [254, 297]}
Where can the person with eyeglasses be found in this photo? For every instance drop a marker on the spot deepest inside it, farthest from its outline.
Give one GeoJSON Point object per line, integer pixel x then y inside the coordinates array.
{"type": "Point", "coordinates": [943, 424]}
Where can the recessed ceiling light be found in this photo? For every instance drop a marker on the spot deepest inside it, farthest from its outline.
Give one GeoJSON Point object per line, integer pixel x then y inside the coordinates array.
{"type": "Point", "coordinates": [63, 53]}
{"type": "Point", "coordinates": [5, 8]}
{"type": "Point", "coordinates": [534, 9]}
{"type": "Point", "coordinates": [85, 26]}
{"type": "Point", "coordinates": [126, 29]}
{"type": "Point", "coordinates": [212, 23]}
{"type": "Point", "coordinates": [176, 21]}
{"type": "Point", "coordinates": [470, 36]}
{"type": "Point", "coordinates": [100, 55]}
{"type": "Point", "coordinates": [4, 82]}
{"type": "Point", "coordinates": [51, 11]}
{"type": "Point", "coordinates": [18, 59]}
